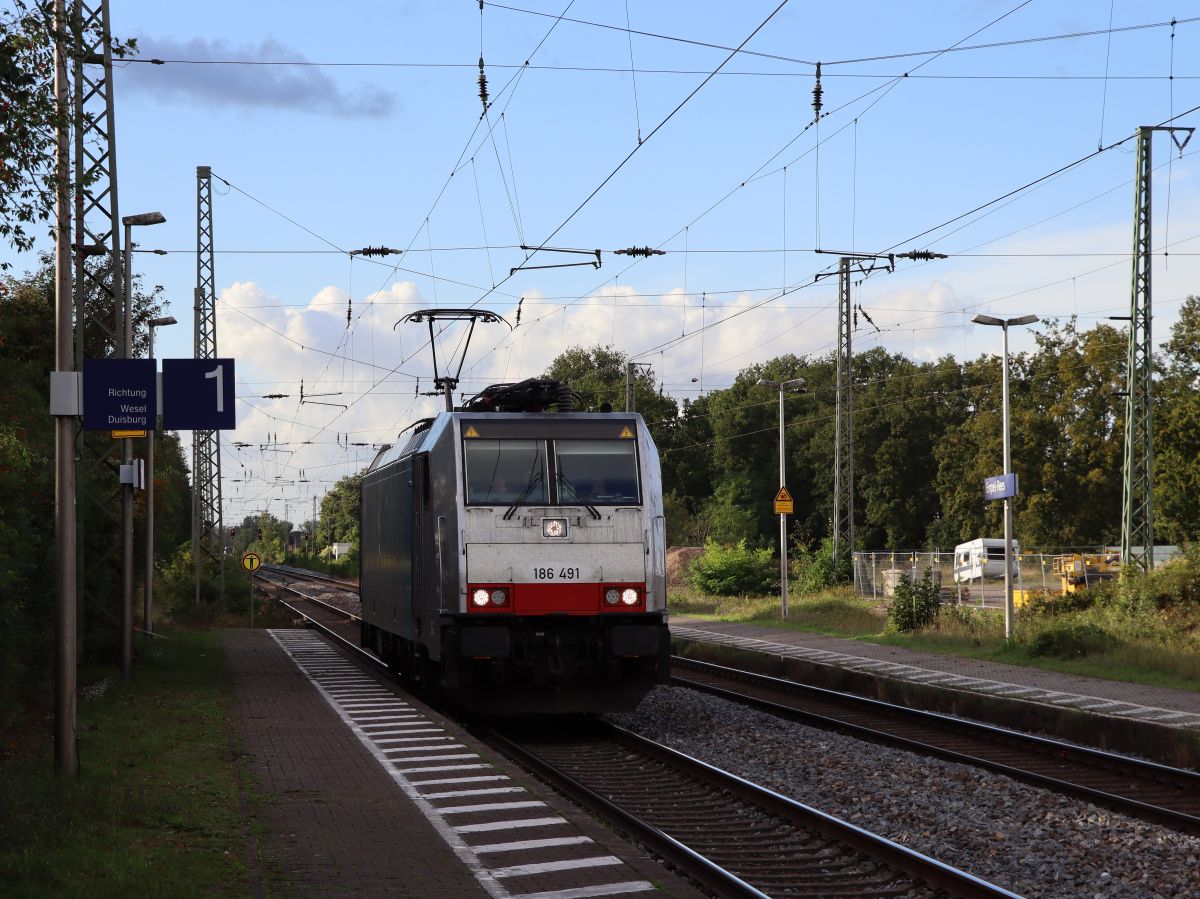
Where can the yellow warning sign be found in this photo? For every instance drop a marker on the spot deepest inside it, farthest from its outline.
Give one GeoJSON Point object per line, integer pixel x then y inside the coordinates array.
{"type": "Point", "coordinates": [783, 502]}
{"type": "Point", "coordinates": [471, 432]}
{"type": "Point", "coordinates": [251, 561]}
{"type": "Point", "coordinates": [625, 432]}
{"type": "Point", "coordinates": [124, 435]}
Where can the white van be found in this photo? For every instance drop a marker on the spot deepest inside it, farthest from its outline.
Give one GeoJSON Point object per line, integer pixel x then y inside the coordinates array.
{"type": "Point", "coordinates": [982, 558]}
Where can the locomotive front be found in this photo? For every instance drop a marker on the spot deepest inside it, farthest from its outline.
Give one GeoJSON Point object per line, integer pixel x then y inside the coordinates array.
{"type": "Point", "coordinates": [548, 552]}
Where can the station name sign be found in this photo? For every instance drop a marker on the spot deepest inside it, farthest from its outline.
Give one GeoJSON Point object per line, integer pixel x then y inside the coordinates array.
{"type": "Point", "coordinates": [1001, 486]}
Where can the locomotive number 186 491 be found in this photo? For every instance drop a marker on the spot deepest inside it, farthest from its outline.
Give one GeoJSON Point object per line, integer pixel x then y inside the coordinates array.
{"type": "Point", "coordinates": [550, 574]}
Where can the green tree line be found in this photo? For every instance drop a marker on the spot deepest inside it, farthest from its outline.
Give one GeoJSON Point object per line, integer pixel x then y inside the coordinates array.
{"type": "Point", "coordinates": [27, 522]}
{"type": "Point", "coordinates": [926, 434]}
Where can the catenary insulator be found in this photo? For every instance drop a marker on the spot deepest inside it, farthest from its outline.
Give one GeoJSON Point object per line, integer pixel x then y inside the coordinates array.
{"type": "Point", "coordinates": [817, 91]}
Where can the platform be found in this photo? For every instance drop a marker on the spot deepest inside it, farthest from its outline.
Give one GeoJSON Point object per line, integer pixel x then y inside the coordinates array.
{"type": "Point", "coordinates": [1157, 722]}
{"type": "Point", "coordinates": [363, 790]}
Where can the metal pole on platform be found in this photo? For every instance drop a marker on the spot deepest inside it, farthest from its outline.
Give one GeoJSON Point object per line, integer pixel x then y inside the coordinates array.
{"type": "Point", "coordinates": [148, 586]}
{"type": "Point", "coordinates": [66, 756]}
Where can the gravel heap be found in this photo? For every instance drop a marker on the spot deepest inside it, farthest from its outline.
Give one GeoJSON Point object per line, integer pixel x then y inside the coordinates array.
{"type": "Point", "coordinates": [1030, 841]}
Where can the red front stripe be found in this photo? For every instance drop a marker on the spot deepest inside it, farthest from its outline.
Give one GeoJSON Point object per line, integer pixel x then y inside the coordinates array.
{"type": "Point", "coordinates": [557, 598]}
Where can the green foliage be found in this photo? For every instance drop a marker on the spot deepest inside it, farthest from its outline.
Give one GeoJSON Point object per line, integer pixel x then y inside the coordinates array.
{"type": "Point", "coordinates": [817, 570]}
{"type": "Point", "coordinates": [733, 570]}
{"type": "Point", "coordinates": [1175, 585]}
{"type": "Point", "coordinates": [340, 512]}
{"type": "Point", "coordinates": [30, 115]}
{"type": "Point", "coordinates": [1071, 639]}
{"type": "Point", "coordinates": [1177, 432]}
{"type": "Point", "coordinates": [915, 605]}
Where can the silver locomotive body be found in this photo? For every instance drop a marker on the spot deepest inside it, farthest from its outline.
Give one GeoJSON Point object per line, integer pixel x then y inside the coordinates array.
{"type": "Point", "coordinates": [517, 560]}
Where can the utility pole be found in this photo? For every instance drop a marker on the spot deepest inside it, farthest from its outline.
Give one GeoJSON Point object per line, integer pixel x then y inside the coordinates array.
{"type": "Point", "coordinates": [842, 520]}
{"type": "Point", "coordinates": [1137, 492]}
{"type": "Point", "coordinates": [66, 759]}
{"type": "Point", "coordinates": [98, 290]}
{"type": "Point", "coordinates": [631, 373]}
{"type": "Point", "coordinates": [208, 532]}
{"type": "Point", "coordinates": [843, 420]}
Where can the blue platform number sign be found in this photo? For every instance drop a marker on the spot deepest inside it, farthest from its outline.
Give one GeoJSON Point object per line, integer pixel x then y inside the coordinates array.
{"type": "Point", "coordinates": [119, 394]}
{"type": "Point", "coordinates": [198, 395]}
{"type": "Point", "coordinates": [1001, 486]}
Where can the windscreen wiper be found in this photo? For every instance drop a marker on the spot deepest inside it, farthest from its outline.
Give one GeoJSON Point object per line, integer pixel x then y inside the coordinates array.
{"type": "Point", "coordinates": [533, 482]}
{"type": "Point", "coordinates": [563, 482]}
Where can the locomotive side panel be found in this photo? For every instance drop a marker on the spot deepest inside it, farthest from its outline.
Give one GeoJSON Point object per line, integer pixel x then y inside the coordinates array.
{"type": "Point", "coordinates": [438, 538]}
{"type": "Point", "coordinates": [386, 538]}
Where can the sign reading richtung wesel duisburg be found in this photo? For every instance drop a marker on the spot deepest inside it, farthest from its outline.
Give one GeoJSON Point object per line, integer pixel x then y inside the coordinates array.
{"type": "Point", "coordinates": [119, 394]}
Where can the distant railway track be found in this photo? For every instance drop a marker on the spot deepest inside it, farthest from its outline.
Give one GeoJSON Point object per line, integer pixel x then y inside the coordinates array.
{"type": "Point", "coordinates": [734, 837]}
{"type": "Point", "coordinates": [1140, 789]}
{"type": "Point", "coordinates": [293, 589]}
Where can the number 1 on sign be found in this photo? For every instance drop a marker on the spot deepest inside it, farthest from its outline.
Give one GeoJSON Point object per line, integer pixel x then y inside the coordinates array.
{"type": "Point", "coordinates": [219, 374]}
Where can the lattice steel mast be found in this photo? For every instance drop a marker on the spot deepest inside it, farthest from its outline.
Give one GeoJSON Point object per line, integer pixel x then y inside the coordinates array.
{"type": "Point", "coordinates": [1137, 505]}
{"type": "Point", "coordinates": [208, 532]}
{"type": "Point", "coordinates": [842, 520]}
{"type": "Point", "coordinates": [98, 292]}
{"type": "Point", "coordinates": [843, 419]}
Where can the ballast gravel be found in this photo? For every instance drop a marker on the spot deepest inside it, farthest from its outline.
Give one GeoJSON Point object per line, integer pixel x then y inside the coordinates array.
{"type": "Point", "coordinates": [1030, 841]}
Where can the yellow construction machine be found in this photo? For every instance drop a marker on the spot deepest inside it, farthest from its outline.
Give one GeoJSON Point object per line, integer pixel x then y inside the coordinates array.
{"type": "Point", "coordinates": [1075, 572]}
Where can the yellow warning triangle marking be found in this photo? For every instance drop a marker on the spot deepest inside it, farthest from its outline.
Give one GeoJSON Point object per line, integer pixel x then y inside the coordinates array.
{"type": "Point", "coordinates": [783, 496]}
{"type": "Point", "coordinates": [625, 432]}
{"type": "Point", "coordinates": [471, 432]}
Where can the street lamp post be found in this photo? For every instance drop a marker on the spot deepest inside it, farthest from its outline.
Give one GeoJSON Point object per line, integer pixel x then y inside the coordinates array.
{"type": "Point", "coordinates": [129, 221]}
{"type": "Point", "coordinates": [1004, 324]}
{"type": "Point", "coordinates": [796, 385]}
{"type": "Point", "coordinates": [148, 585]}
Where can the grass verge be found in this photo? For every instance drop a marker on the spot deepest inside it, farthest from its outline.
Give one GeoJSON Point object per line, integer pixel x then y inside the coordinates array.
{"type": "Point", "coordinates": [1143, 646]}
{"type": "Point", "coordinates": [154, 811]}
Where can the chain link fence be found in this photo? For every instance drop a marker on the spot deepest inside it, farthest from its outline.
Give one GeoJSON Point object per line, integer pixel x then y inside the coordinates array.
{"type": "Point", "coordinates": [876, 575]}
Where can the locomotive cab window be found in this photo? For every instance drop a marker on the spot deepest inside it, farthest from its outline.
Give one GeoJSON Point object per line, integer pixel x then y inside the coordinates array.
{"type": "Point", "coordinates": [505, 472]}
{"type": "Point", "coordinates": [597, 472]}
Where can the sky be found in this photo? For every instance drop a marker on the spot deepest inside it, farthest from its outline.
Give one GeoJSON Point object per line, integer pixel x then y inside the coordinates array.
{"type": "Point", "coordinates": [998, 133]}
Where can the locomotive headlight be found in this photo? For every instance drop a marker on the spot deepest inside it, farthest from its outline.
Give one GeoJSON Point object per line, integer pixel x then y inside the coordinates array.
{"type": "Point", "coordinates": [499, 597]}
{"type": "Point", "coordinates": [480, 597]}
{"type": "Point", "coordinates": [629, 596]}
{"type": "Point", "coordinates": [612, 596]}
{"type": "Point", "coordinates": [554, 527]}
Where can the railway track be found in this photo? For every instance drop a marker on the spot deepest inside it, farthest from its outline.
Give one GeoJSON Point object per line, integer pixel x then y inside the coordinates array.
{"type": "Point", "coordinates": [1141, 789]}
{"type": "Point", "coordinates": [293, 588]}
{"type": "Point", "coordinates": [736, 838]}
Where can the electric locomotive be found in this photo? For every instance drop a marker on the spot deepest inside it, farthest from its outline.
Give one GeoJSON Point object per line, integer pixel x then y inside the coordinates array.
{"type": "Point", "coordinates": [514, 557]}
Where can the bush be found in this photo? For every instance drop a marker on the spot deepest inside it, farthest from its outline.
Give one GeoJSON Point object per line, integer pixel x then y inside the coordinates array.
{"type": "Point", "coordinates": [733, 570]}
{"type": "Point", "coordinates": [817, 570]}
{"type": "Point", "coordinates": [915, 604]}
{"type": "Point", "coordinates": [1072, 640]}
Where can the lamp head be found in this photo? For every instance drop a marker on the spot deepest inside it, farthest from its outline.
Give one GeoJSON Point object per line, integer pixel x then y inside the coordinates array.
{"type": "Point", "coordinates": [988, 320]}
{"type": "Point", "coordinates": [767, 382]}
{"type": "Point", "coordinates": [143, 218]}
{"type": "Point", "coordinates": [165, 320]}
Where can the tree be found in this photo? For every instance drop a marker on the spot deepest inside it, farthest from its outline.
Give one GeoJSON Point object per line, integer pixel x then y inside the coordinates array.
{"type": "Point", "coordinates": [340, 512]}
{"type": "Point", "coordinates": [27, 492]}
{"type": "Point", "coordinates": [1177, 432]}
{"type": "Point", "coordinates": [30, 116]}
